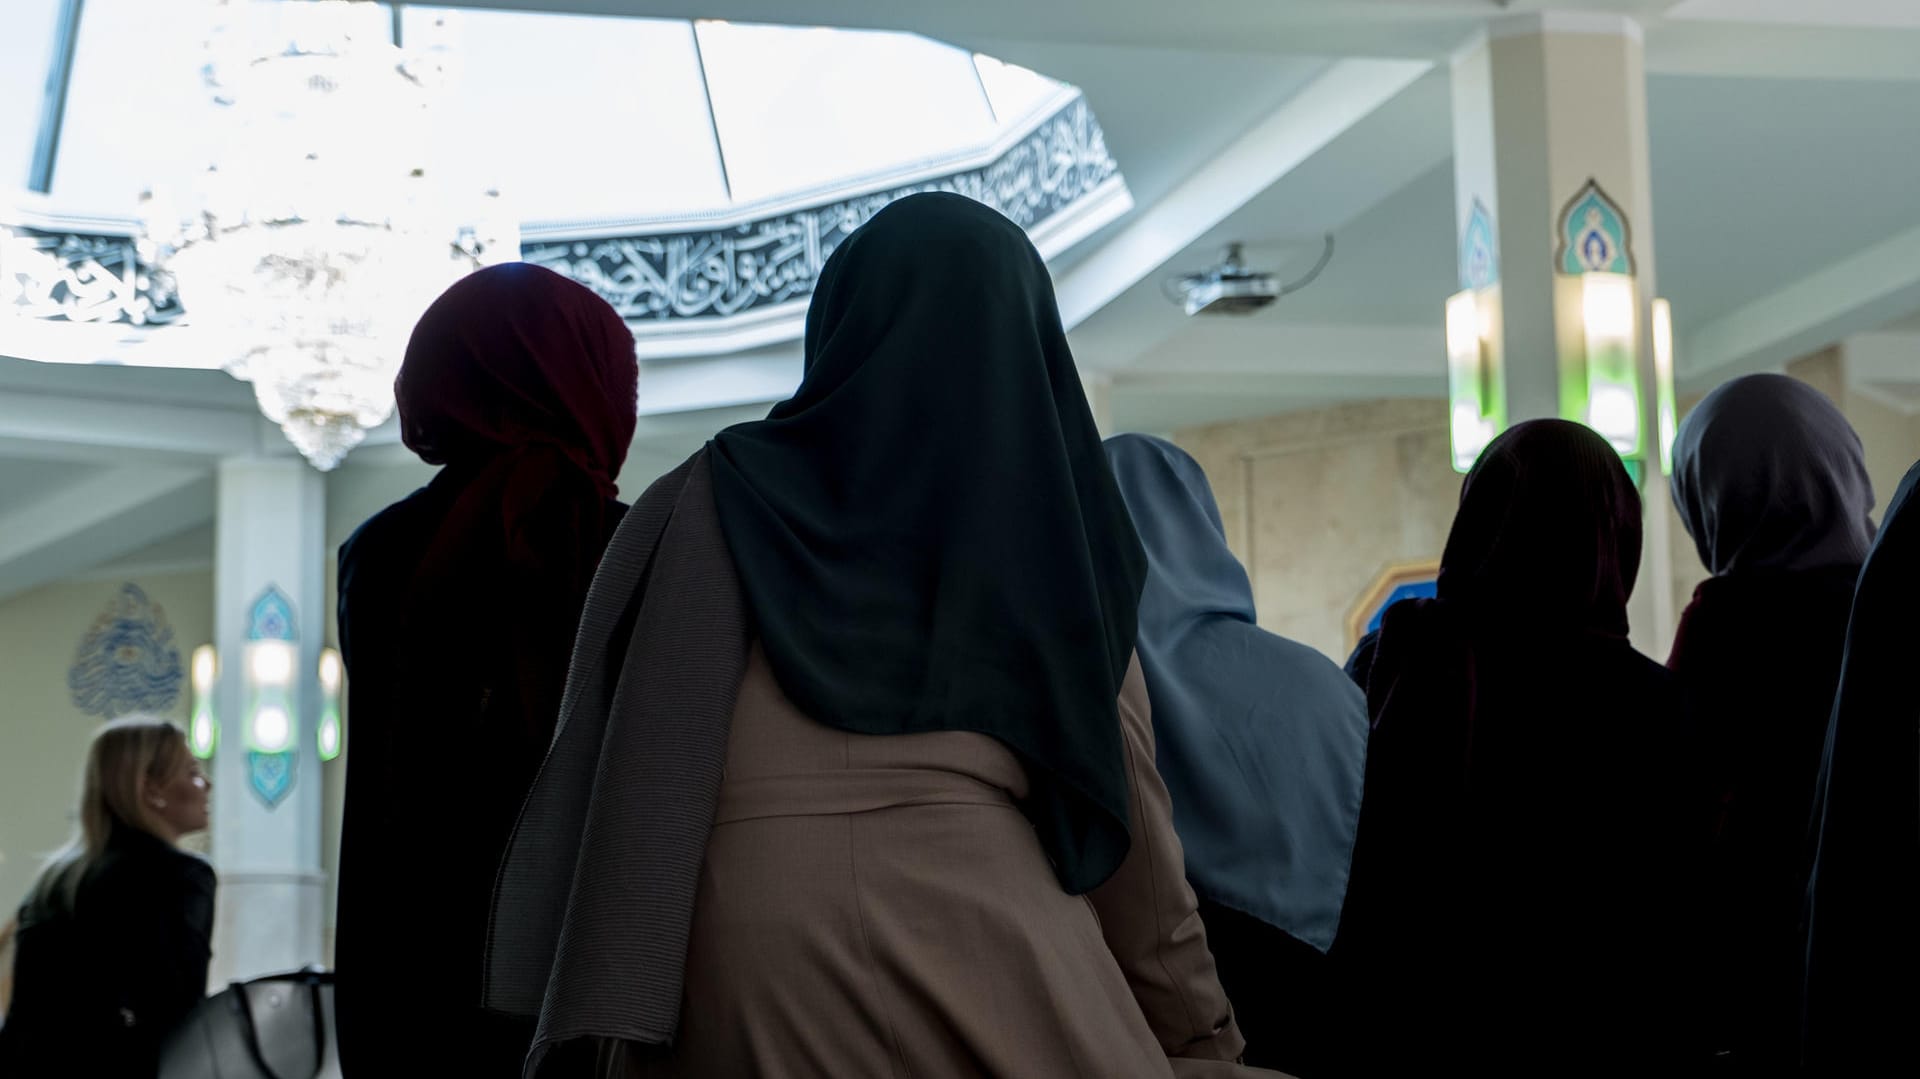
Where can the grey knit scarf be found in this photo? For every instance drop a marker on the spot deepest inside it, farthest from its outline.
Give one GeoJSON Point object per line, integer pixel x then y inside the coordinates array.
{"type": "Point", "coordinates": [595, 896]}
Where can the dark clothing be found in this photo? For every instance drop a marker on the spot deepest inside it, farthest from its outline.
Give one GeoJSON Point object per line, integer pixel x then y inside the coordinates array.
{"type": "Point", "coordinates": [440, 763]}
{"type": "Point", "coordinates": [1772, 484]}
{"type": "Point", "coordinates": [1518, 903]}
{"type": "Point", "coordinates": [98, 989]}
{"type": "Point", "coordinates": [927, 532]}
{"type": "Point", "coordinates": [1359, 666]}
{"type": "Point", "coordinates": [1760, 656]}
{"type": "Point", "coordinates": [1515, 905]}
{"type": "Point", "coordinates": [458, 607]}
{"type": "Point", "coordinates": [1863, 937]}
{"type": "Point", "coordinates": [1281, 989]}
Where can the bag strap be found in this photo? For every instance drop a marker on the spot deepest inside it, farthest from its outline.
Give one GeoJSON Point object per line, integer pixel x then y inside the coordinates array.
{"type": "Point", "coordinates": [243, 1003]}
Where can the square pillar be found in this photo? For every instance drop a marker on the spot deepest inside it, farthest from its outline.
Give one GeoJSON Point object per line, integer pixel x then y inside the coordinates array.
{"type": "Point", "coordinates": [269, 627]}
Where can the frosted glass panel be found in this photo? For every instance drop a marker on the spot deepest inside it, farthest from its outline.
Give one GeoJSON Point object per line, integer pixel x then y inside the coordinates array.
{"type": "Point", "coordinates": [799, 108]}
{"type": "Point", "coordinates": [574, 117]}
{"type": "Point", "coordinates": [26, 55]}
{"type": "Point", "coordinates": [1015, 91]}
{"type": "Point", "coordinates": [138, 111]}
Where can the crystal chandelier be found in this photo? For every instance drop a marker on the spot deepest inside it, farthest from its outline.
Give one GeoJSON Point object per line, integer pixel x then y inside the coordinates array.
{"type": "Point", "coordinates": [319, 237]}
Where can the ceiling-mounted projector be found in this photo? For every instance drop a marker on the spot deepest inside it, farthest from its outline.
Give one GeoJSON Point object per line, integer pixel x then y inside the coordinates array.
{"type": "Point", "coordinates": [1229, 288]}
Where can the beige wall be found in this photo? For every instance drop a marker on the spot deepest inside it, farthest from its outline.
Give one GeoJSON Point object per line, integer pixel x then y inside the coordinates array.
{"type": "Point", "coordinates": [43, 733]}
{"type": "Point", "coordinates": [1318, 503]}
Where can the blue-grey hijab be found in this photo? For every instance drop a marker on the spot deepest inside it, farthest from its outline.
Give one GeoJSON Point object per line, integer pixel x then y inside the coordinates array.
{"type": "Point", "coordinates": [1769, 477]}
{"type": "Point", "coordinates": [1262, 741]}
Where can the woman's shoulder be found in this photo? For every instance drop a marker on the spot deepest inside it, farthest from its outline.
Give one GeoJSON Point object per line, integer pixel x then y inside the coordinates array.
{"type": "Point", "coordinates": [389, 528]}
{"type": "Point", "coordinates": [148, 863]}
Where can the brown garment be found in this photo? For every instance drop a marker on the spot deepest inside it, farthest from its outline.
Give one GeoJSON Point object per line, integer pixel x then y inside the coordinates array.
{"type": "Point", "coordinates": [879, 907]}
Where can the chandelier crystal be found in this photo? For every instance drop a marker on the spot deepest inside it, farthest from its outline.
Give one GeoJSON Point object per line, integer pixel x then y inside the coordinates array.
{"type": "Point", "coordinates": [321, 235]}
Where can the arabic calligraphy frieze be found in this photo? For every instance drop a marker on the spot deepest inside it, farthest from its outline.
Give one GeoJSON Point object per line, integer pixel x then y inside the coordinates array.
{"type": "Point", "coordinates": [722, 273]}
{"type": "Point", "coordinates": [718, 273]}
{"type": "Point", "coordinates": [82, 277]}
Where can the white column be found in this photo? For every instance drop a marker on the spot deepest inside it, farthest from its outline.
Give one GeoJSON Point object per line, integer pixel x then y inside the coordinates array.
{"type": "Point", "coordinates": [1549, 108]}
{"type": "Point", "coordinates": [269, 595]}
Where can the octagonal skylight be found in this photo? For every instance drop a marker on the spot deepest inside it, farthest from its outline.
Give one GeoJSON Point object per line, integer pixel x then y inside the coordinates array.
{"type": "Point", "coordinates": [695, 173]}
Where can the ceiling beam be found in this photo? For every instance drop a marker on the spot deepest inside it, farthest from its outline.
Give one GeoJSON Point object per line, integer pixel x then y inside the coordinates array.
{"type": "Point", "coordinates": [102, 517]}
{"type": "Point", "coordinates": [1253, 346]}
{"type": "Point", "coordinates": [1376, 156]}
{"type": "Point", "coordinates": [53, 104]}
{"type": "Point", "coordinates": [1407, 29]}
{"type": "Point", "coordinates": [1394, 28]}
{"type": "Point", "coordinates": [78, 428]}
{"type": "Point", "coordinates": [1343, 96]}
{"type": "Point", "coordinates": [1720, 49]}
{"type": "Point", "coordinates": [1857, 294]}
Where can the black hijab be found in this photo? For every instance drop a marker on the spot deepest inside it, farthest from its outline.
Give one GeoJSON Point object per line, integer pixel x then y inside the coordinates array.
{"type": "Point", "coordinates": [1863, 942]}
{"type": "Point", "coordinates": [1548, 531]}
{"type": "Point", "coordinates": [927, 532]}
{"type": "Point", "coordinates": [1512, 904]}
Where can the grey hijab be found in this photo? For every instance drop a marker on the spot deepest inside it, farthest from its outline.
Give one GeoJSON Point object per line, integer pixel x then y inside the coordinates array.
{"type": "Point", "coordinates": [1262, 741]}
{"type": "Point", "coordinates": [1770, 477]}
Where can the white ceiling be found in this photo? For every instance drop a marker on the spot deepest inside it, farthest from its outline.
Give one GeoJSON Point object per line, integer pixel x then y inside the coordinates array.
{"type": "Point", "coordinates": [1883, 14]}
{"type": "Point", "coordinates": [1786, 154]}
{"type": "Point", "coordinates": [25, 480]}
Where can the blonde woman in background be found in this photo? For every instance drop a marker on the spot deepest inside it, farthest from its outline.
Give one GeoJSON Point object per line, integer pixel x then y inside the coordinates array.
{"type": "Point", "coordinates": [112, 945]}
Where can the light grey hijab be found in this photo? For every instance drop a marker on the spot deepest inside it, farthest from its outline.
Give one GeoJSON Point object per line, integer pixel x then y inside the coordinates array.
{"type": "Point", "coordinates": [1262, 741]}
{"type": "Point", "coordinates": [1769, 477]}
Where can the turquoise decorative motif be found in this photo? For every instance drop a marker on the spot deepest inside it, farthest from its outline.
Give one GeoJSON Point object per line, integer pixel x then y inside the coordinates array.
{"type": "Point", "coordinates": [1479, 260]}
{"type": "Point", "coordinates": [270, 775]}
{"type": "Point", "coordinates": [1595, 236]}
{"type": "Point", "coordinates": [271, 618]}
{"type": "Point", "coordinates": [127, 661]}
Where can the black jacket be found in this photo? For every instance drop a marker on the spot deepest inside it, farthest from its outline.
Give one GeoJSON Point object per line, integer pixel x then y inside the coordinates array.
{"type": "Point", "coordinates": [97, 988]}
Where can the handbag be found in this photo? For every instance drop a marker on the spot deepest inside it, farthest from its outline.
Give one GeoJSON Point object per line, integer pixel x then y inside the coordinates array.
{"type": "Point", "coordinates": [276, 1027]}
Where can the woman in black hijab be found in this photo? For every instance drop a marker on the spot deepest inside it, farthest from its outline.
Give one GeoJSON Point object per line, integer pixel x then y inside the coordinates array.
{"type": "Point", "coordinates": [1863, 943]}
{"type": "Point", "coordinates": [878, 796]}
{"type": "Point", "coordinates": [1514, 906]}
{"type": "Point", "coordinates": [1772, 484]}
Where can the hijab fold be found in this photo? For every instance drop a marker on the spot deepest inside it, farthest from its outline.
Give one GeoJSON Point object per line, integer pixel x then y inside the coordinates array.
{"type": "Point", "coordinates": [1797, 498]}
{"type": "Point", "coordinates": [1262, 741]}
{"type": "Point", "coordinates": [927, 533]}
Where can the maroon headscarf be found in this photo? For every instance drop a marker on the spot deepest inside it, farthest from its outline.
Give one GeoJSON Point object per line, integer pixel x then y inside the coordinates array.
{"type": "Point", "coordinates": [524, 385]}
{"type": "Point", "coordinates": [1548, 531]}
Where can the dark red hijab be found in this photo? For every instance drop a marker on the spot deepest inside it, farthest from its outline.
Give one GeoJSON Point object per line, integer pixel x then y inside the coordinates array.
{"type": "Point", "coordinates": [523, 384]}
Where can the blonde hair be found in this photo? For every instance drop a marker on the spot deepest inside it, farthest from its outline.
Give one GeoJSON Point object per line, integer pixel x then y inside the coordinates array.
{"type": "Point", "coordinates": [123, 754]}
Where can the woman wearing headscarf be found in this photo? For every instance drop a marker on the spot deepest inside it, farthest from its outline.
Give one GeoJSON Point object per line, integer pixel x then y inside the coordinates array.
{"type": "Point", "coordinates": [1772, 484]}
{"type": "Point", "coordinates": [855, 774]}
{"type": "Point", "coordinates": [1262, 743]}
{"type": "Point", "coordinates": [458, 605]}
{"type": "Point", "coordinates": [1863, 941]}
{"type": "Point", "coordinates": [1518, 899]}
